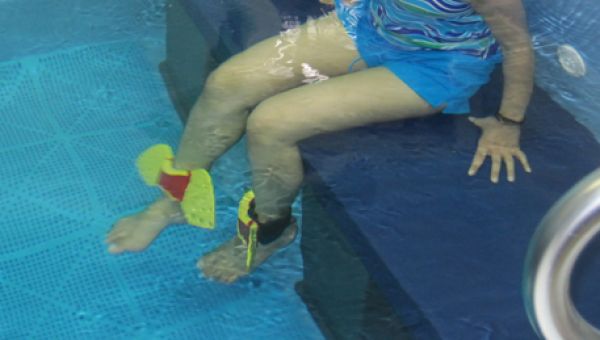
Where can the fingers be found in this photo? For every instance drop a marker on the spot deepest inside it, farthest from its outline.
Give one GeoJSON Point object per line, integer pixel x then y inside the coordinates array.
{"type": "Point", "coordinates": [496, 165]}
{"type": "Point", "coordinates": [498, 157]}
{"type": "Point", "coordinates": [521, 156]}
{"type": "Point", "coordinates": [510, 167]}
{"type": "Point", "coordinates": [478, 160]}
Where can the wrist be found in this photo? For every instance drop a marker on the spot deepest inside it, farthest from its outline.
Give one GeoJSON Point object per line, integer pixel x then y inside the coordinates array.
{"type": "Point", "coordinates": [507, 120]}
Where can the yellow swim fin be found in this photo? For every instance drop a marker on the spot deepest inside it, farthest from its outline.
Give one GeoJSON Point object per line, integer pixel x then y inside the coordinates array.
{"type": "Point", "coordinates": [194, 189]}
{"type": "Point", "coordinates": [198, 204]}
{"type": "Point", "coordinates": [247, 228]}
{"type": "Point", "coordinates": [150, 163]}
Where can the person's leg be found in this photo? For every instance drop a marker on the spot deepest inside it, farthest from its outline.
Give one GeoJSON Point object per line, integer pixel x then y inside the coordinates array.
{"type": "Point", "coordinates": [279, 123]}
{"type": "Point", "coordinates": [218, 119]}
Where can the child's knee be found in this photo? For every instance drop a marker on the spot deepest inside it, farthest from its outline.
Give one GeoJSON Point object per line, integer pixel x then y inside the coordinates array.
{"type": "Point", "coordinates": [239, 80]}
{"type": "Point", "coordinates": [266, 124]}
{"type": "Point", "coordinates": [222, 81]}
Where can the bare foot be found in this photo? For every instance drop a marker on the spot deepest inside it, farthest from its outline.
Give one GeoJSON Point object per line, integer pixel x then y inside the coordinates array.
{"type": "Point", "coordinates": [136, 232]}
{"type": "Point", "coordinates": [227, 263]}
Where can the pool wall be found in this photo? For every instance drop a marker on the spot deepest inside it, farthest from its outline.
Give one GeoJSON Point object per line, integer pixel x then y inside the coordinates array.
{"type": "Point", "coordinates": [39, 26]}
{"type": "Point", "coordinates": [554, 23]}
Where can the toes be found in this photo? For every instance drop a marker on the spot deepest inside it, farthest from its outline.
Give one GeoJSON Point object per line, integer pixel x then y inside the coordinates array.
{"type": "Point", "coordinates": [114, 236]}
{"type": "Point", "coordinates": [115, 249]}
{"type": "Point", "coordinates": [117, 235]}
{"type": "Point", "coordinates": [123, 242]}
{"type": "Point", "coordinates": [212, 268]}
{"type": "Point", "coordinates": [118, 231]}
{"type": "Point", "coordinates": [216, 269]}
{"type": "Point", "coordinates": [232, 277]}
{"type": "Point", "coordinates": [222, 271]}
{"type": "Point", "coordinates": [226, 276]}
{"type": "Point", "coordinates": [208, 270]}
{"type": "Point", "coordinates": [201, 265]}
{"type": "Point", "coordinates": [203, 262]}
{"type": "Point", "coordinates": [123, 245]}
{"type": "Point", "coordinates": [115, 243]}
{"type": "Point", "coordinates": [211, 262]}
{"type": "Point", "coordinates": [225, 264]}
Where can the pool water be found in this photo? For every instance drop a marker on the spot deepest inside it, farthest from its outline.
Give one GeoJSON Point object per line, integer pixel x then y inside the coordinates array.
{"type": "Point", "coordinates": [74, 118]}
{"type": "Point", "coordinates": [81, 97]}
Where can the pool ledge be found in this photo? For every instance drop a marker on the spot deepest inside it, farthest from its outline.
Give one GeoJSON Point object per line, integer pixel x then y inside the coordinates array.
{"type": "Point", "coordinates": [445, 249]}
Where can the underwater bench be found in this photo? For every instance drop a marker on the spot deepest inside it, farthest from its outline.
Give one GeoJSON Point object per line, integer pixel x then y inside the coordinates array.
{"type": "Point", "coordinates": [446, 250]}
{"type": "Point", "coordinates": [397, 241]}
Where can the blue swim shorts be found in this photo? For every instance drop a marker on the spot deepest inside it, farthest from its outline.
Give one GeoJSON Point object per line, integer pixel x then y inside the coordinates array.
{"type": "Point", "coordinates": [439, 77]}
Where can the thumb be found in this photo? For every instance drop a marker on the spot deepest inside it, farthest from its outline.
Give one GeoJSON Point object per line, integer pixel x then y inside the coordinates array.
{"type": "Point", "coordinates": [481, 122]}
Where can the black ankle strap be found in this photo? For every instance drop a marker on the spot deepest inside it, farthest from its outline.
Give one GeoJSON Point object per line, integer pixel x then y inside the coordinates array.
{"type": "Point", "coordinates": [270, 231]}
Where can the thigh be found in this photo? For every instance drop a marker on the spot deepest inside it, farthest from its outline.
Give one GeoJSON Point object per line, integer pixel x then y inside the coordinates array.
{"type": "Point", "coordinates": [320, 46]}
{"type": "Point", "coordinates": [370, 96]}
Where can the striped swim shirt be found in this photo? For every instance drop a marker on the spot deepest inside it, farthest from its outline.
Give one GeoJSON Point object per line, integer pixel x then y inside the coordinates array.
{"type": "Point", "coordinates": [448, 25]}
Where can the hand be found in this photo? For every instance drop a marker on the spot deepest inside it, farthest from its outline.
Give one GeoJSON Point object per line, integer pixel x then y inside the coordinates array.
{"type": "Point", "coordinates": [500, 141]}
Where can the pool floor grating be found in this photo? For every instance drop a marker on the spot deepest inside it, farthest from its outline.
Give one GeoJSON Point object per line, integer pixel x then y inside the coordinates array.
{"type": "Point", "coordinates": [73, 121]}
